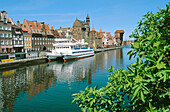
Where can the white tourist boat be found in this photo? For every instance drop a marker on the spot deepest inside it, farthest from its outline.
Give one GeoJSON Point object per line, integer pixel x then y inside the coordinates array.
{"type": "Point", "coordinates": [69, 50]}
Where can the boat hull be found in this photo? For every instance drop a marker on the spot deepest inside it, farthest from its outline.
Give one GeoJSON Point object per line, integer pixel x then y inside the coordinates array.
{"type": "Point", "coordinates": [53, 57]}
{"type": "Point", "coordinates": [72, 58]}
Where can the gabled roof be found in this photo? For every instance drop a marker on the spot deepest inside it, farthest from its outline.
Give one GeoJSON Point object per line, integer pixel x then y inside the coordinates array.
{"type": "Point", "coordinates": [35, 27]}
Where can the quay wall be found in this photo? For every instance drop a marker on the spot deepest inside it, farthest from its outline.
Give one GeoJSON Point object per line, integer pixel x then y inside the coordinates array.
{"type": "Point", "coordinates": [22, 62]}
{"type": "Point", "coordinates": [33, 58]}
{"type": "Point", "coordinates": [106, 49]}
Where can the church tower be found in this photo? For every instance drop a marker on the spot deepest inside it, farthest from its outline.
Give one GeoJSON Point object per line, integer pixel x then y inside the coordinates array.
{"type": "Point", "coordinates": [87, 27]}
{"type": "Point", "coordinates": [88, 20]}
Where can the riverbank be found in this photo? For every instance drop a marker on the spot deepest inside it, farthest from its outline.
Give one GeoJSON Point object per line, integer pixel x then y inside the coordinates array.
{"type": "Point", "coordinates": [107, 49]}
{"type": "Point", "coordinates": [22, 62]}
{"type": "Point", "coordinates": [39, 60]}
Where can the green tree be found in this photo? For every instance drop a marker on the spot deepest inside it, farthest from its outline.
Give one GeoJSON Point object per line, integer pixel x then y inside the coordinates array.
{"type": "Point", "coordinates": [145, 86]}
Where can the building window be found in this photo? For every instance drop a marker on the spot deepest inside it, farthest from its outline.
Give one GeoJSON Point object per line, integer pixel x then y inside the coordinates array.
{"type": "Point", "coordinates": [14, 36]}
{"type": "Point", "coordinates": [5, 35]}
{"type": "Point", "coordinates": [9, 35]}
{"type": "Point", "coordinates": [5, 28]}
{"type": "Point", "coordinates": [1, 28]}
{"type": "Point", "coordinates": [9, 43]}
{"type": "Point", "coordinates": [5, 42]}
{"type": "Point", "coordinates": [2, 42]}
{"type": "Point", "coordinates": [24, 26]}
{"type": "Point", "coordinates": [9, 28]}
{"type": "Point", "coordinates": [1, 34]}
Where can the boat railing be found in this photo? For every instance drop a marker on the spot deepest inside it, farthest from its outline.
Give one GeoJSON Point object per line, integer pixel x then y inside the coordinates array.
{"type": "Point", "coordinates": [84, 48]}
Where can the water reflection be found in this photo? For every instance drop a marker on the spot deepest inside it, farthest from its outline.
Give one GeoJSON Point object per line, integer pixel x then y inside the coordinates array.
{"type": "Point", "coordinates": [32, 80]}
{"type": "Point", "coordinates": [29, 80]}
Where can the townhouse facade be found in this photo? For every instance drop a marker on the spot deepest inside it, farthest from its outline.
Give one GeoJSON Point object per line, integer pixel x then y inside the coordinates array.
{"type": "Point", "coordinates": [18, 40]}
{"type": "Point", "coordinates": [95, 39]}
{"type": "Point", "coordinates": [27, 40]}
{"type": "Point", "coordinates": [5, 34]}
{"type": "Point", "coordinates": [41, 36]}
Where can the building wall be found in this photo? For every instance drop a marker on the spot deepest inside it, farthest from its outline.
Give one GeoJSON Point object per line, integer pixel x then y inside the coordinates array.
{"type": "Point", "coordinates": [81, 29]}
{"type": "Point", "coordinates": [41, 41]}
{"type": "Point", "coordinates": [27, 42]}
{"type": "Point", "coordinates": [18, 40]}
{"type": "Point", "coordinates": [5, 34]}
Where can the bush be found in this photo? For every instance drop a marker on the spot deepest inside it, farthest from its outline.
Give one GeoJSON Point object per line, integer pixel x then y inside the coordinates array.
{"type": "Point", "coordinates": [145, 85]}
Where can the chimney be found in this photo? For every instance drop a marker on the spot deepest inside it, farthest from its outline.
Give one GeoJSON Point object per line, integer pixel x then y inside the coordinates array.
{"type": "Point", "coordinates": [18, 23]}
{"type": "Point", "coordinates": [35, 22]}
{"type": "Point", "coordinates": [52, 29]}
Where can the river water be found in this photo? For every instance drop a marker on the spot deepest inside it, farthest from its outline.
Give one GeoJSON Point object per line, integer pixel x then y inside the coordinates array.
{"type": "Point", "coordinates": [49, 87]}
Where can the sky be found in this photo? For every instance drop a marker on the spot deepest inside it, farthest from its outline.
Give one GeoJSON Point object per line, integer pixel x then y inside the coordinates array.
{"type": "Point", "coordinates": [108, 15]}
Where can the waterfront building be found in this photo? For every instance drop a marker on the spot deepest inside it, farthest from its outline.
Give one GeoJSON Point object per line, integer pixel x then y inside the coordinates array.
{"type": "Point", "coordinates": [118, 37]}
{"type": "Point", "coordinates": [42, 37]}
{"type": "Point", "coordinates": [27, 40]}
{"type": "Point", "coordinates": [54, 32]}
{"type": "Point", "coordinates": [65, 32]}
{"type": "Point", "coordinates": [100, 39]}
{"type": "Point", "coordinates": [18, 40]}
{"type": "Point", "coordinates": [81, 29]}
{"type": "Point", "coordinates": [95, 39]}
{"type": "Point", "coordinates": [5, 34]}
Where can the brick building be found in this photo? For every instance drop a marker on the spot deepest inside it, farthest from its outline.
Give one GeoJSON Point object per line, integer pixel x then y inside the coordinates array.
{"type": "Point", "coordinates": [81, 29]}
{"type": "Point", "coordinates": [118, 37]}
{"type": "Point", "coordinates": [95, 39]}
{"type": "Point", "coordinates": [65, 32]}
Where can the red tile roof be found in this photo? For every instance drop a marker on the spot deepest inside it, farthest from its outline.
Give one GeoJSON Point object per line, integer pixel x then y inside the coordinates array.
{"type": "Point", "coordinates": [24, 29]}
{"type": "Point", "coordinates": [35, 27]}
{"type": "Point", "coordinates": [119, 31]}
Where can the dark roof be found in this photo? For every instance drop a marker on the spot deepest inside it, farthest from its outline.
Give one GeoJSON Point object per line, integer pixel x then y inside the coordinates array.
{"type": "Point", "coordinates": [83, 23]}
{"type": "Point", "coordinates": [3, 11]}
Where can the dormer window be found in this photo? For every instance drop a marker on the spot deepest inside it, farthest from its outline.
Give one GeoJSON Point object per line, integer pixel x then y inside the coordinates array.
{"type": "Point", "coordinates": [30, 25]}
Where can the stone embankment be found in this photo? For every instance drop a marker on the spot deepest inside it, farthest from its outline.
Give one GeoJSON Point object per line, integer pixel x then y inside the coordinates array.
{"type": "Point", "coordinates": [38, 60]}
{"type": "Point", "coordinates": [107, 49]}
{"type": "Point", "coordinates": [22, 62]}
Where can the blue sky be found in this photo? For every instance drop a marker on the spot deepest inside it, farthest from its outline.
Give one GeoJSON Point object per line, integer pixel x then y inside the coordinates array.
{"type": "Point", "coordinates": [108, 15]}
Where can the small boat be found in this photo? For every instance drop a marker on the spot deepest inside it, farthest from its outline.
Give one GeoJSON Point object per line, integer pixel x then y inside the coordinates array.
{"type": "Point", "coordinates": [69, 50]}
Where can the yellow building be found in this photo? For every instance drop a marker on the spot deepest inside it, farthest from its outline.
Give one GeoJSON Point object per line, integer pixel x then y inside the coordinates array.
{"type": "Point", "coordinates": [27, 40]}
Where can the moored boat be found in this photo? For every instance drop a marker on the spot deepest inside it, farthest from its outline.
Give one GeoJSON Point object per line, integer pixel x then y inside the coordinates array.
{"type": "Point", "coordinates": [69, 50]}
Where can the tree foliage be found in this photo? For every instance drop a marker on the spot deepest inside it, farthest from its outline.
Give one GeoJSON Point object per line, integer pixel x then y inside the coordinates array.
{"type": "Point", "coordinates": [145, 86]}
